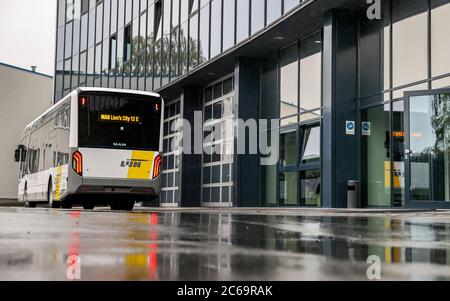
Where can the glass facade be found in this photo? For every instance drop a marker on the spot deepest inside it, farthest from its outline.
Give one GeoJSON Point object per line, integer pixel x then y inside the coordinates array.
{"type": "Point", "coordinates": [400, 53]}
{"type": "Point", "coordinates": [158, 40]}
{"type": "Point", "coordinates": [150, 44]}
{"type": "Point", "coordinates": [297, 68]}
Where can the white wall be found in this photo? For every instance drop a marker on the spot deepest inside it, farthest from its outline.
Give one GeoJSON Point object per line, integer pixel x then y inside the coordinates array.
{"type": "Point", "coordinates": [23, 96]}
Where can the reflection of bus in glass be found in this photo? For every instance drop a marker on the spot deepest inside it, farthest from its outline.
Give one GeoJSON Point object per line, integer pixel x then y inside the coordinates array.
{"type": "Point", "coordinates": [94, 147]}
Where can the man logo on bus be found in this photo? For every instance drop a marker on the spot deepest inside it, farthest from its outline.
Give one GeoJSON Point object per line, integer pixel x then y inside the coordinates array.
{"type": "Point", "coordinates": [132, 163]}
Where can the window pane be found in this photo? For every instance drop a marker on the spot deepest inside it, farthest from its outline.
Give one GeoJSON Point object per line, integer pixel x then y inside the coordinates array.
{"type": "Point", "coordinates": [91, 33]}
{"type": "Point", "coordinates": [76, 36]}
{"type": "Point", "coordinates": [257, 15]}
{"type": "Point", "coordinates": [113, 16]}
{"type": "Point", "coordinates": [242, 22]}
{"type": "Point", "coordinates": [174, 55]}
{"type": "Point", "coordinates": [128, 11]}
{"type": "Point", "coordinates": [183, 48]}
{"type": "Point", "coordinates": [175, 13]}
{"type": "Point", "coordinates": [165, 60]}
{"type": "Point", "coordinates": [68, 51]}
{"type": "Point", "coordinates": [127, 44]}
{"type": "Point", "coordinates": [60, 53]}
{"type": "Point", "coordinates": [310, 188]}
{"type": "Point", "coordinates": [193, 42]}
{"type": "Point", "coordinates": [288, 149]}
{"type": "Point", "coordinates": [216, 27]}
{"type": "Point", "coordinates": [288, 188]}
{"type": "Point", "coordinates": [311, 145]}
{"type": "Point", "coordinates": [430, 159]}
{"type": "Point", "coordinates": [84, 32]}
{"type": "Point", "coordinates": [440, 43]}
{"type": "Point", "coordinates": [228, 31]}
{"type": "Point", "coordinates": [167, 10]}
{"type": "Point", "coordinates": [61, 12]}
{"type": "Point", "coordinates": [289, 83]}
{"type": "Point", "coordinates": [157, 67]}
{"type": "Point", "coordinates": [273, 10]}
{"type": "Point", "coordinates": [121, 18]}
{"type": "Point", "coordinates": [107, 17]}
{"type": "Point", "coordinates": [289, 4]}
{"type": "Point", "coordinates": [311, 73]}
{"type": "Point", "coordinates": [375, 158]}
{"type": "Point", "coordinates": [409, 41]}
{"type": "Point", "coordinates": [99, 24]}
{"type": "Point", "coordinates": [204, 34]}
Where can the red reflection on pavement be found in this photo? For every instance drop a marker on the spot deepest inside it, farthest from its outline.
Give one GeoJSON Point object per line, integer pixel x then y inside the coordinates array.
{"type": "Point", "coordinates": [74, 247]}
{"type": "Point", "coordinates": [153, 246]}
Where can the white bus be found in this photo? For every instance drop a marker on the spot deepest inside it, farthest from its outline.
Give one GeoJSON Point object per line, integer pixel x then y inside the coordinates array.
{"type": "Point", "coordinates": [94, 147]}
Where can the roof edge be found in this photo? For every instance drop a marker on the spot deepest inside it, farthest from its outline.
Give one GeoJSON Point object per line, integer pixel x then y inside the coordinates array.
{"type": "Point", "coordinates": [25, 70]}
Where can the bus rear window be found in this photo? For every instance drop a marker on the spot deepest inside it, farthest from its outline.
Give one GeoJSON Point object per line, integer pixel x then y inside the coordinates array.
{"type": "Point", "coordinates": [119, 121]}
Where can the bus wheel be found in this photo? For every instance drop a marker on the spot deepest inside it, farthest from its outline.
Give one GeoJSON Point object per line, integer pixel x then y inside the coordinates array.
{"type": "Point", "coordinates": [66, 204]}
{"type": "Point", "coordinates": [30, 205]}
{"type": "Point", "coordinates": [25, 197]}
{"type": "Point", "coordinates": [89, 206]}
{"type": "Point", "coordinates": [122, 205]}
{"type": "Point", "coordinates": [51, 202]}
{"type": "Point", "coordinates": [128, 205]}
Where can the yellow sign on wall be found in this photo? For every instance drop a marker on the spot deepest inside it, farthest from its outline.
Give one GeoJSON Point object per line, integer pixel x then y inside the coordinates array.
{"type": "Point", "coordinates": [399, 172]}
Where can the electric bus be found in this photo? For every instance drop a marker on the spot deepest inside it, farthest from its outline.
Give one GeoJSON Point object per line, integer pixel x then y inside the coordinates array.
{"type": "Point", "coordinates": [96, 146]}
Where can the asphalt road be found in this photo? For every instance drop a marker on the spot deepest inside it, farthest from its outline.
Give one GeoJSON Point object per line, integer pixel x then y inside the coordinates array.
{"type": "Point", "coordinates": [43, 244]}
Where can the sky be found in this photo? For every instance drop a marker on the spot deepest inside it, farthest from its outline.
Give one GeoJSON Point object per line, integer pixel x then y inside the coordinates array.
{"type": "Point", "coordinates": [27, 34]}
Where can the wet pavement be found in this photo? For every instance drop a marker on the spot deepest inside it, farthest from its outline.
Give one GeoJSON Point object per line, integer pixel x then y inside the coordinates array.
{"type": "Point", "coordinates": [35, 244]}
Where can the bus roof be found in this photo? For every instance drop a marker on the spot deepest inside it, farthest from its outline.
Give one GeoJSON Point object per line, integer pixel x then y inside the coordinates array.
{"type": "Point", "coordinates": [137, 92]}
{"type": "Point", "coordinates": [91, 89]}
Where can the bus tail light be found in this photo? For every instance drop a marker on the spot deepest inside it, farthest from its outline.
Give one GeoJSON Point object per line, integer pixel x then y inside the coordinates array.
{"type": "Point", "coordinates": [157, 166]}
{"type": "Point", "coordinates": [77, 163]}
{"type": "Point", "coordinates": [84, 101]}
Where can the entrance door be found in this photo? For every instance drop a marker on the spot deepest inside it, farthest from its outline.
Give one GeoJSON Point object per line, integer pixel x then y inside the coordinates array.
{"type": "Point", "coordinates": [299, 169]}
{"type": "Point", "coordinates": [427, 149]}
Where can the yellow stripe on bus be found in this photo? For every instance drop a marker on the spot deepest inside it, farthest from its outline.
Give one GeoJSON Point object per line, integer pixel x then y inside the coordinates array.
{"type": "Point", "coordinates": [58, 183]}
{"type": "Point", "coordinates": [141, 165]}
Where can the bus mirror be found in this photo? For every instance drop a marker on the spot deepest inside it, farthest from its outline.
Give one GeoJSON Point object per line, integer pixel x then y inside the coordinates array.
{"type": "Point", "coordinates": [20, 153]}
{"type": "Point", "coordinates": [17, 155]}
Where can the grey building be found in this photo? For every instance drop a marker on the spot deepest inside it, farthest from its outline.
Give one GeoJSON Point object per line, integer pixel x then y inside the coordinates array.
{"type": "Point", "coordinates": [24, 95]}
{"type": "Point", "coordinates": [336, 74]}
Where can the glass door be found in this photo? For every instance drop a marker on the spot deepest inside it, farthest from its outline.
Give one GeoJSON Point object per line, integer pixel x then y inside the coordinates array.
{"type": "Point", "coordinates": [310, 165]}
{"type": "Point", "coordinates": [288, 167]}
{"type": "Point", "coordinates": [299, 167]}
{"type": "Point", "coordinates": [427, 151]}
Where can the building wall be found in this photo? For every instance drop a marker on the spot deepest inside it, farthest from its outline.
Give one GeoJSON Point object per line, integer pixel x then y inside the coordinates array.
{"type": "Point", "coordinates": [167, 39]}
{"type": "Point", "coordinates": [312, 64]}
{"type": "Point", "coordinates": [24, 95]}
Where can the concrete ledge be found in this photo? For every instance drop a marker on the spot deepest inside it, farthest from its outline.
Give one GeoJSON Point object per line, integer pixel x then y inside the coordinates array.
{"type": "Point", "coordinates": [288, 211]}
{"type": "Point", "coordinates": [10, 202]}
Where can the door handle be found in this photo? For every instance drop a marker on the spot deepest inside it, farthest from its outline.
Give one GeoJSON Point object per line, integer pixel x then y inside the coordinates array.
{"type": "Point", "coordinates": [408, 152]}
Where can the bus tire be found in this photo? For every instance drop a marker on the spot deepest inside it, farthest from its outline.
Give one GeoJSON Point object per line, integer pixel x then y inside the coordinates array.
{"type": "Point", "coordinates": [122, 205]}
{"type": "Point", "coordinates": [128, 205]}
{"type": "Point", "coordinates": [51, 202]}
{"type": "Point", "coordinates": [89, 206]}
{"type": "Point", "coordinates": [66, 204]}
{"type": "Point", "coordinates": [25, 198]}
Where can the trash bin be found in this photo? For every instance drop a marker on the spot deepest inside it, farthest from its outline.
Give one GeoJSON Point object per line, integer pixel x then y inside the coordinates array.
{"type": "Point", "coordinates": [353, 194]}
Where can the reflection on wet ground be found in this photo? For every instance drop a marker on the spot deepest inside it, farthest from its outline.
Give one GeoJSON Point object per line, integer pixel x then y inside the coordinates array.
{"type": "Point", "coordinates": [36, 244]}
